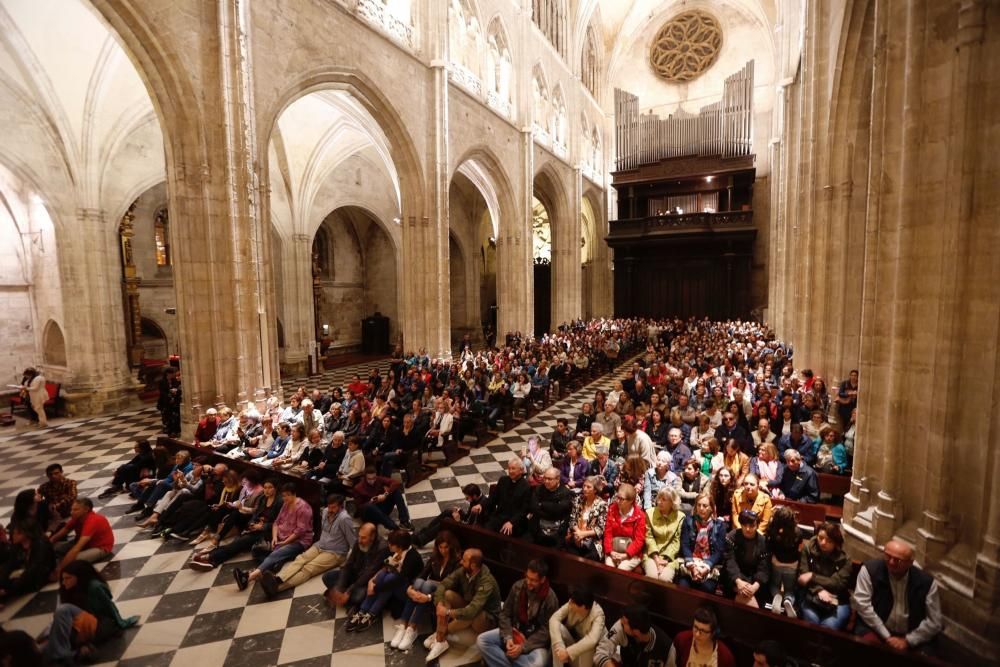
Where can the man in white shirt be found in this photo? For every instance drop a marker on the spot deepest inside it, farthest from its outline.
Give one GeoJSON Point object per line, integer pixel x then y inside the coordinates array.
{"type": "Point", "coordinates": [896, 601]}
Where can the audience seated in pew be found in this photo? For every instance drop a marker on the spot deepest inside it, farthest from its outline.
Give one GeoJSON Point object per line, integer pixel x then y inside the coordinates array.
{"type": "Point", "coordinates": [755, 564]}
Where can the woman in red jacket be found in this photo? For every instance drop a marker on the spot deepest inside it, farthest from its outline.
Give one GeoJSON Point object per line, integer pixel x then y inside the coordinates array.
{"type": "Point", "coordinates": [624, 531]}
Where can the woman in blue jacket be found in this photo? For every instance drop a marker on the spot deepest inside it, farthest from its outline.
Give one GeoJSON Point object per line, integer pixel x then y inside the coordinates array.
{"type": "Point", "coordinates": [703, 546]}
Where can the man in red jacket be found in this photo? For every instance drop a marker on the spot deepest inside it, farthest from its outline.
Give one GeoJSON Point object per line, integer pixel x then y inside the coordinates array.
{"type": "Point", "coordinates": [376, 496]}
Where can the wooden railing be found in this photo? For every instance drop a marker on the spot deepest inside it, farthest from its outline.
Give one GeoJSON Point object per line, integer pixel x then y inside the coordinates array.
{"type": "Point", "coordinates": [673, 607]}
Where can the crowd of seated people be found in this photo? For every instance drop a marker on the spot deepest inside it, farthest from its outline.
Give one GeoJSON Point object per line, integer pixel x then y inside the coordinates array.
{"type": "Point", "coordinates": [661, 476]}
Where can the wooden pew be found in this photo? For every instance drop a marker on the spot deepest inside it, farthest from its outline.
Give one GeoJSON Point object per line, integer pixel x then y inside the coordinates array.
{"type": "Point", "coordinates": [806, 514]}
{"type": "Point", "coordinates": [836, 486]}
{"type": "Point", "coordinates": [673, 607]}
{"type": "Point", "coordinates": [309, 490]}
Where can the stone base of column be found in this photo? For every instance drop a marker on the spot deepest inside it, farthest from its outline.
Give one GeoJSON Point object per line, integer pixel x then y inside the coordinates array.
{"type": "Point", "coordinates": [970, 628]}
{"type": "Point", "coordinates": [84, 402]}
{"type": "Point", "coordinates": [294, 368]}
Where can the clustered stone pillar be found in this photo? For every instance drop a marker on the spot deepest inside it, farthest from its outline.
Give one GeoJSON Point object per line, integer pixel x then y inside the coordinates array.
{"type": "Point", "coordinates": [99, 378]}
{"type": "Point", "coordinates": [885, 261]}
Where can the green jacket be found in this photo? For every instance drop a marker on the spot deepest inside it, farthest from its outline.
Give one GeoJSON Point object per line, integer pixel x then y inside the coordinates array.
{"type": "Point", "coordinates": [480, 592]}
{"type": "Point", "coordinates": [100, 604]}
{"type": "Point", "coordinates": [831, 572]}
{"type": "Point", "coordinates": [663, 533]}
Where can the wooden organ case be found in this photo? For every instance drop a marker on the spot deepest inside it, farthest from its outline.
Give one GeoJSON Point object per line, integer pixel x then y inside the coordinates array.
{"type": "Point", "coordinates": [683, 240]}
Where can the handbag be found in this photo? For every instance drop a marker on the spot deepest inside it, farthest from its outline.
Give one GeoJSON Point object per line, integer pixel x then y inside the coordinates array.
{"type": "Point", "coordinates": [551, 528]}
{"type": "Point", "coordinates": [620, 545]}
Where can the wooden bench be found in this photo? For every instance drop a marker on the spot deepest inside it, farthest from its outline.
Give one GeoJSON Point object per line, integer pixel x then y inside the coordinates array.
{"type": "Point", "coordinates": [53, 401]}
{"type": "Point", "coordinates": [807, 515]}
{"type": "Point", "coordinates": [673, 607]}
{"type": "Point", "coordinates": [309, 490]}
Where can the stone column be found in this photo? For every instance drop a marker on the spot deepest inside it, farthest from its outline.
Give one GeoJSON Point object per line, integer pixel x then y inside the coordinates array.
{"type": "Point", "coordinates": [300, 316]}
{"type": "Point", "coordinates": [566, 290]}
{"type": "Point", "coordinates": [99, 379]}
{"type": "Point", "coordinates": [227, 334]}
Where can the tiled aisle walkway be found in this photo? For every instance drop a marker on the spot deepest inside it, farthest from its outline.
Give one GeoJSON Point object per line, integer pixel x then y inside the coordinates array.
{"type": "Point", "coordinates": [192, 618]}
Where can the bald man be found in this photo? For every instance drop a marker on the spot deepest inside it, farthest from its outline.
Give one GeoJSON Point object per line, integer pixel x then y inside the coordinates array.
{"type": "Point", "coordinates": [896, 601]}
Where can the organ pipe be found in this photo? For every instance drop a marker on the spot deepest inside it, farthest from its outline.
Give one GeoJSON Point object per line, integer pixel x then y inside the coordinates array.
{"type": "Point", "coordinates": [722, 128]}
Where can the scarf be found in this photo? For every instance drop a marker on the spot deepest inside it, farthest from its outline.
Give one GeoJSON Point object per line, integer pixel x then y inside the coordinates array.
{"type": "Point", "coordinates": [523, 602]}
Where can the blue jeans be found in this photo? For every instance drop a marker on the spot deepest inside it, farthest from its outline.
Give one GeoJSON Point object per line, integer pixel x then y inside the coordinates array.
{"type": "Point", "coordinates": [387, 584]}
{"type": "Point", "coordinates": [413, 612]}
{"type": "Point", "coordinates": [60, 644]}
{"type": "Point", "coordinates": [494, 653]}
{"type": "Point", "coordinates": [834, 620]}
{"type": "Point", "coordinates": [380, 513]}
{"type": "Point", "coordinates": [281, 555]}
{"type": "Point", "coordinates": [157, 491]}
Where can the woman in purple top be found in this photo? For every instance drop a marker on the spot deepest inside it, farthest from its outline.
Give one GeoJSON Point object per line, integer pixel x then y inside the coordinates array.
{"type": "Point", "coordinates": [291, 534]}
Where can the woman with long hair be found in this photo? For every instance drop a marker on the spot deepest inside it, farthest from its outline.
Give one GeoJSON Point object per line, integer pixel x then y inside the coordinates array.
{"type": "Point", "coordinates": [783, 542]}
{"type": "Point", "coordinates": [85, 616]}
{"type": "Point", "coordinates": [722, 488]}
{"type": "Point", "coordinates": [734, 459]}
{"type": "Point", "coordinates": [443, 560]}
{"type": "Point", "coordinates": [25, 509]}
{"type": "Point", "coordinates": [825, 573]}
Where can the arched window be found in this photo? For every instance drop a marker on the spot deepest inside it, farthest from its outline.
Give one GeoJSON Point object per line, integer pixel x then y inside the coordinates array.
{"type": "Point", "coordinates": [541, 116]}
{"type": "Point", "coordinates": [53, 345]}
{"type": "Point", "coordinates": [499, 68]}
{"type": "Point", "coordinates": [589, 61]}
{"type": "Point", "coordinates": [161, 236]}
{"type": "Point", "coordinates": [465, 38]}
{"type": "Point", "coordinates": [558, 122]}
{"type": "Point", "coordinates": [550, 17]}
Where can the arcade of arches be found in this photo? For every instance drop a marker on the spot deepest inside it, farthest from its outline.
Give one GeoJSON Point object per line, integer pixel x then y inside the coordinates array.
{"type": "Point", "coordinates": [241, 182]}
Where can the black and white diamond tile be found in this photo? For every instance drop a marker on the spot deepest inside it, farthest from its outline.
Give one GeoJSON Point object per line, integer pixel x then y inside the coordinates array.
{"type": "Point", "coordinates": [190, 617]}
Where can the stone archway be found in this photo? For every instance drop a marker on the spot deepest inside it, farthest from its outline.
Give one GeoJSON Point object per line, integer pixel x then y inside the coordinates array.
{"type": "Point", "coordinates": [565, 272]}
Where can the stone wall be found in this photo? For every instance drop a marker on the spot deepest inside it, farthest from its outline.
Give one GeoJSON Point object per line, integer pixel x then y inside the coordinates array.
{"type": "Point", "coordinates": [884, 246]}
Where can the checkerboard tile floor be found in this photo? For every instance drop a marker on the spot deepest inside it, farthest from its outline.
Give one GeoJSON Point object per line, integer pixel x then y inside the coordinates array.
{"type": "Point", "coordinates": [190, 617]}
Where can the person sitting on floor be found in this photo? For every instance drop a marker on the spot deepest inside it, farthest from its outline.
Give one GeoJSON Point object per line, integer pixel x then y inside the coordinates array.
{"type": "Point", "coordinates": [398, 572]}
{"type": "Point", "coordinates": [575, 628]}
{"type": "Point", "coordinates": [347, 585]}
{"type": "Point", "coordinates": [58, 495]}
{"type": "Point", "coordinates": [468, 598]}
{"type": "Point", "coordinates": [473, 496]}
{"type": "Point", "coordinates": [377, 496]}
{"type": "Point", "coordinates": [148, 491]}
{"type": "Point", "coordinates": [130, 472]}
{"type": "Point", "coordinates": [633, 641]}
{"type": "Point", "coordinates": [86, 615]}
{"type": "Point", "coordinates": [523, 635]}
{"type": "Point", "coordinates": [291, 534]}
{"type": "Point", "coordinates": [897, 602]}
{"type": "Point", "coordinates": [337, 538]}
{"type": "Point", "coordinates": [29, 564]}
{"type": "Point", "coordinates": [94, 537]}
{"type": "Point", "coordinates": [700, 645]}
{"type": "Point", "coordinates": [258, 528]}
{"type": "Point", "coordinates": [443, 560]}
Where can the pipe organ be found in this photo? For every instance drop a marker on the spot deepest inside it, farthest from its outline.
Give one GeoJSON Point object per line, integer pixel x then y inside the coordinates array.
{"type": "Point", "coordinates": [723, 128]}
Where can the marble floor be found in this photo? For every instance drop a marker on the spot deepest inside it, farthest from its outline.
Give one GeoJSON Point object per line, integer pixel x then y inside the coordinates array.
{"type": "Point", "coordinates": [200, 617]}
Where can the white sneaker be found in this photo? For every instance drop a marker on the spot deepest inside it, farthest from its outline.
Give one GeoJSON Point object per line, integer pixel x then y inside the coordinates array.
{"type": "Point", "coordinates": [437, 650]}
{"type": "Point", "coordinates": [409, 637]}
{"type": "Point", "coordinates": [776, 604]}
{"type": "Point", "coordinates": [430, 641]}
{"type": "Point", "coordinates": [396, 638]}
{"type": "Point", "coordinates": [789, 608]}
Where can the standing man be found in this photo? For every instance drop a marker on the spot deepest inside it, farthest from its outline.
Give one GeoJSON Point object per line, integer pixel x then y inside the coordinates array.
{"type": "Point", "coordinates": [847, 399]}
{"type": "Point", "coordinates": [169, 402]}
{"type": "Point", "coordinates": [896, 601]}
{"type": "Point", "coordinates": [523, 636]}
